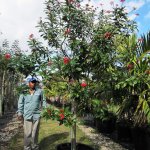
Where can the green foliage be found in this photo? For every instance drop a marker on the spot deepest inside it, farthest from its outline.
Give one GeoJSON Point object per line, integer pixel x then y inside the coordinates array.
{"type": "Point", "coordinates": [99, 48]}
{"type": "Point", "coordinates": [102, 111]}
{"type": "Point", "coordinates": [63, 116]}
{"type": "Point", "coordinates": [134, 79]}
{"type": "Point", "coordinates": [22, 89]}
{"type": "Point", "coordinates": [143, 109]}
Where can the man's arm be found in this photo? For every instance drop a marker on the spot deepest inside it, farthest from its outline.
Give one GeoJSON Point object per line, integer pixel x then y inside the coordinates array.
{"type": "Point", "coordinates": [20, 107]}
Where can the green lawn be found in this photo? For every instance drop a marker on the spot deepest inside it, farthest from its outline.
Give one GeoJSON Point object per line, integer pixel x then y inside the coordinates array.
{"type": "Point", "coordinates": [51, 134]}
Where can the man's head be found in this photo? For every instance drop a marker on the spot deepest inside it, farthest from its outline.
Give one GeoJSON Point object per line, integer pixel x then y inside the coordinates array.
{"type": "Point", "coordinates": [32, 83]}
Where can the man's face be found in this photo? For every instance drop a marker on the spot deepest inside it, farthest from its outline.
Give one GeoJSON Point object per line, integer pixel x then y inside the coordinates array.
{"type": "Point", "coordinates": [32, 84]}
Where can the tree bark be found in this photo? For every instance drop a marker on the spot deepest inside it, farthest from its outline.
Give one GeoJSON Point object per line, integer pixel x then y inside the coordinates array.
{"type": "Point", "coordinates": [73, 128]}
{"type": "Point", "coordinates": [2, 93]}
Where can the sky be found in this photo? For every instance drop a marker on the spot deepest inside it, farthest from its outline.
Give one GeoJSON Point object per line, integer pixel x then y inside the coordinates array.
{"type": "Point", "coordinates": [18, 18]}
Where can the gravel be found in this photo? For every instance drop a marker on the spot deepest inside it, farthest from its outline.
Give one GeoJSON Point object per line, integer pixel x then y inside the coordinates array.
{"type": "Point", "coordinates": [9, 127]}
{"type": "Point", "coordinates": [104, 142]}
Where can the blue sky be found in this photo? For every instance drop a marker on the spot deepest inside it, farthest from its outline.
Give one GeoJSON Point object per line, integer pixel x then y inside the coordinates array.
{"type": "Point", "coordinates": [18, 18]}
{"type": "Point", "coordinates": [143, 9]}
{"type": "Point", "coordinates": [143, 19]}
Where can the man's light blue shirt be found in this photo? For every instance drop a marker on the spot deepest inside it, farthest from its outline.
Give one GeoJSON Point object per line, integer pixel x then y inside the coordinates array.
{"type": "Point", "coordinates": [30, 105]}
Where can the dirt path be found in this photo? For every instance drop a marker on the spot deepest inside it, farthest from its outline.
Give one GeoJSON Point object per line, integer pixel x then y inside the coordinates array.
{"type": "Point", "coordinates": [104, 142]}
{"type": "Point", "coordinates": [9, 127]}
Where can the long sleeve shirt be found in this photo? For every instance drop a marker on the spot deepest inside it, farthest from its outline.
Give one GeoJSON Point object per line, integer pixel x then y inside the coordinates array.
{"type": "Point", "coordinates": [30, 105]}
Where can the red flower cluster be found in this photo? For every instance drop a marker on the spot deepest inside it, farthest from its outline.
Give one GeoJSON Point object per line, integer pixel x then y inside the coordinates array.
{"type": "Point", "coordinates": [66, 60]}
{"type": "Point", "coordinates": [62, 116]}
{"type": "Point", "coordinates": [107, 35]}
{"type": "Point", "coordinates": [7, 56]}
{"type": "Point", "coordinates": [83, 84]}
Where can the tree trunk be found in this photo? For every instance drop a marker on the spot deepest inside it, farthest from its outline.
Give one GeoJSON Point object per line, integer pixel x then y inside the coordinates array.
{"type": "Point", "coordinates": [73, 137]}
{"type": "Point", "coordinates": [2, 94]}
{"type": "Point", "coordinates": [73, 128]}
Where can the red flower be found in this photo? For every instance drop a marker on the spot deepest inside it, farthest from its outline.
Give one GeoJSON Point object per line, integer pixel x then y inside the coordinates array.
{"type": "Point", "coordinates": [31, 36]}
{"type": "Point", "coordinates": [67, 31]}
{"type": "Point", "coordinates": [107, 35]}
{"type": "Point", "coordinates": [83, 84]}
{"type": "Point", "coordinates": [62, 116]}
{"type": "Point", "coordinates": [7, 56]}
{"type": "Point", "coordinates": [66, 60]}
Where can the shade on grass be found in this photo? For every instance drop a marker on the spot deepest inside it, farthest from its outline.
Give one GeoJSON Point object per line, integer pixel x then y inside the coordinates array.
{"type": "Point", "coordinates": [51, 134]}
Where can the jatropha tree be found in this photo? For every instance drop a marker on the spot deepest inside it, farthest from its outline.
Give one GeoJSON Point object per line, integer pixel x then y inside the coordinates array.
{"type": "Point", "coordinates": [81, 44]}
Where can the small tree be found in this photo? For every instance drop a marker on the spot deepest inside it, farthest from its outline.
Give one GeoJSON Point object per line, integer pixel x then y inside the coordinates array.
{"type": "Point", "coordinates": [81, 41]}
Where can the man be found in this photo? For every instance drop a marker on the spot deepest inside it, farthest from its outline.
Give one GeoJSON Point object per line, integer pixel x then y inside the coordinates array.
{"type": "Point", "coordinates": [29, 107]}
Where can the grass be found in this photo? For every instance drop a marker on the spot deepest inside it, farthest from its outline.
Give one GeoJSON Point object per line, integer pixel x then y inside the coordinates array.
{"type": "Point", "coordinates": [51, 134]}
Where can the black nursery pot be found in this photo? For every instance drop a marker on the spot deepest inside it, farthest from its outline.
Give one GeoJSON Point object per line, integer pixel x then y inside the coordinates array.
{"type": "Point", "coordinates": [124, 132]}
{"type": "Point", "coordinates": [79, 146]}
{"type": "Point", "coordinates": [139, 138]}
{"type": "Point", "coordinates": [107, 126]}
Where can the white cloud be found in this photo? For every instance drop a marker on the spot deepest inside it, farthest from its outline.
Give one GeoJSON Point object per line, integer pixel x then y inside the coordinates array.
{"type": "Point", "coordinates": [134, 4]}
{"type": "Point", "coordinates": [18, 19]}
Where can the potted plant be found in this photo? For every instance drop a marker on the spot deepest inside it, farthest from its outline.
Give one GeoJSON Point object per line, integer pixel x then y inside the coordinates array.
{"type": "Point", "coordinates": [135, 83]}
{"type": "Point", "coordinates": [104, 119]}
{"type": "Point", "coordinates": [81, 45]}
